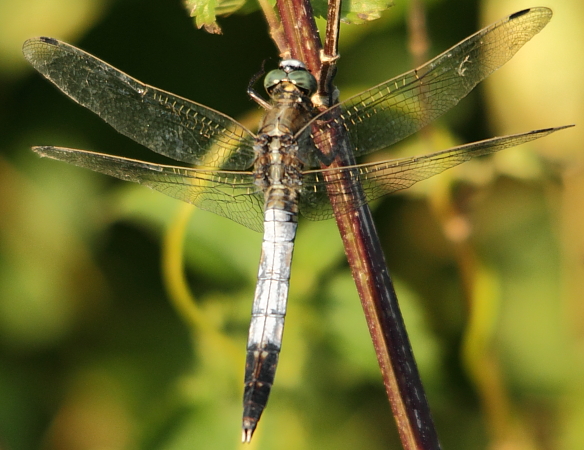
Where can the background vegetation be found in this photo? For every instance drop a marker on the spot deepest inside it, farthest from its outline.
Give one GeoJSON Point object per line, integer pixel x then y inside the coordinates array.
{"type": "Point", "coordinates": [488, 258]}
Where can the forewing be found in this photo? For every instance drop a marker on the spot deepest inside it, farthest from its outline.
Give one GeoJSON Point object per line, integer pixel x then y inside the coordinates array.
{"type": "Point", "coordinates": [165, 123]}
{"type": "Point", "coordinates": [393, 110]}
{"type": "Point", "coordinates": [228, 194]}
{"type": "Point", "coordinates": [382, 178]}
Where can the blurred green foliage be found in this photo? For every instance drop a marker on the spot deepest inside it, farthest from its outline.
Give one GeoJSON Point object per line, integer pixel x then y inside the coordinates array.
{"type": "Point", "coordinates": [95, 350]}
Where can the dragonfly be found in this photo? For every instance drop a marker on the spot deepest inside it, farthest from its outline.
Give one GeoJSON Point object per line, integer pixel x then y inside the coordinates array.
{"type": "Point", "coordinates": [264, 180]}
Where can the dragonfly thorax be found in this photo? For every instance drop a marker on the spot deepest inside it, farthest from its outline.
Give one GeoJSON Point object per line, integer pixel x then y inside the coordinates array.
{"type": "Point", "coordinates": [291, 72]}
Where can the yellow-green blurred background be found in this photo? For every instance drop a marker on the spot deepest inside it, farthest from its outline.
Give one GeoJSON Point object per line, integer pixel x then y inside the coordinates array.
{"type": "Point", "coordinates": [488, 258]}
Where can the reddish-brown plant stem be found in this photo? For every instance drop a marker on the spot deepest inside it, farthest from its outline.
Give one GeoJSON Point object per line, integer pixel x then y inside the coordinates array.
{"type": "Point", "coordinates": [363, 249]}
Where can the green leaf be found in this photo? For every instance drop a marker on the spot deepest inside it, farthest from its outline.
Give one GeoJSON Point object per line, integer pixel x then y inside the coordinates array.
{"type": "Point", "coordinates": [205, 12]}
{"type": "Point", "coordinates": [355, 12]}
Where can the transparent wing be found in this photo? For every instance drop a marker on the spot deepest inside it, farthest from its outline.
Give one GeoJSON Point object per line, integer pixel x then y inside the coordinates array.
{"type": "Point", "coordinates": [382, 178]}
{"type": "Point", "coordinates": [393, 110]}
{"type": "Point", "coordinates": [229, 194]}
{"type": "Point", "coordinates": [165, 123]}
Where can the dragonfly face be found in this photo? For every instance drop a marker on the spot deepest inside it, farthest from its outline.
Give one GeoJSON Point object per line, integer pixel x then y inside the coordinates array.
{"type": "Point", "coordinates": [287, 176]}
{"type": "Point", "coordinates": [291, 71]}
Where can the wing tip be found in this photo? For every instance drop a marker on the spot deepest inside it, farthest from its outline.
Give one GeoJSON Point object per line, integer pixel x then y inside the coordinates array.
{"type": "Point", "coordinates": [48, 40]}
{"type": "Point", "coordinates": [40, 150]}
{"type": "Point", "coordinates": [553, 129]}
{"type": "Point", "coordinates": [41, 39]}
{"type": "Point", "coordinates": [539, 9]}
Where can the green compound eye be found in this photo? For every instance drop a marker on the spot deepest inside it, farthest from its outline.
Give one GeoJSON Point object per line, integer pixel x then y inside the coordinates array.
{"type": "Point", "coordinates": [274, 78]}
{"type": "Point", "coordinates": [304, 80]}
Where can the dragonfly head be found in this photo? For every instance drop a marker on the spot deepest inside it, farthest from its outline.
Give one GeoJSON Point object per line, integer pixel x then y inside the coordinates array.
{"type": "Point", "coordinates": [294, 72]}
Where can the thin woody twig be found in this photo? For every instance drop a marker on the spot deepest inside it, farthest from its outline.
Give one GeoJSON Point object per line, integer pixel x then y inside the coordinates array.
{"type": "Point", "coordinates": [301, 32]}
{"type": "Point", "coordinates": [274, 25]}
{"type": "Point", "coordinates": [330, 55]}
{"type": "Point", "coordinates": [418, 41]}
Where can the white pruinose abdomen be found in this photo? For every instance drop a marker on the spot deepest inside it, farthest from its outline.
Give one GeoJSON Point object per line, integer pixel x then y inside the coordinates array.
{"type": "Point", "coordinates": [268, 311]}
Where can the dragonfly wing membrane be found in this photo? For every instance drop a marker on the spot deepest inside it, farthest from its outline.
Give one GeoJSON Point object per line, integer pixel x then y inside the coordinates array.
{"type": "Point", "coordinates": [385, 177]}
{"type": "Point", "coordinates": [165, 123]}
{"type": "Point", "coordinates": [397, 108]}
{"type": "Point", "coordinates": [228, 194]}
